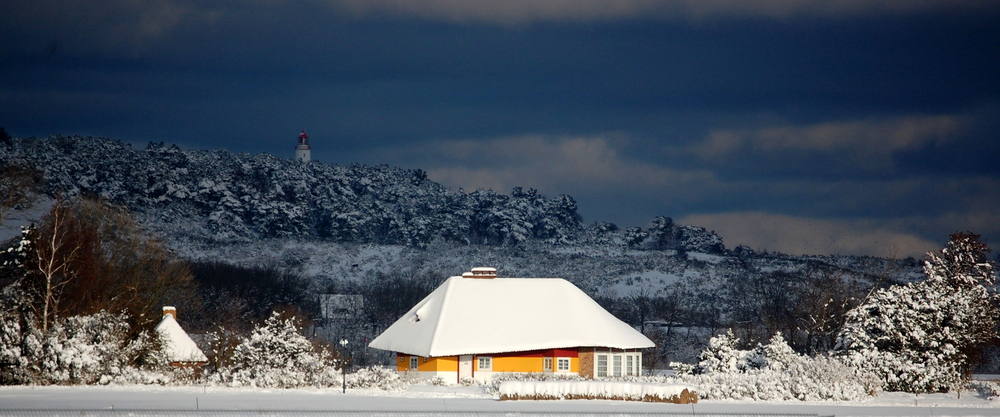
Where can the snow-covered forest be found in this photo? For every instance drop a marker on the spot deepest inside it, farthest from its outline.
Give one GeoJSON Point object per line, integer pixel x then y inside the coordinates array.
{"type": "Point", "coordinates": [245, 245]}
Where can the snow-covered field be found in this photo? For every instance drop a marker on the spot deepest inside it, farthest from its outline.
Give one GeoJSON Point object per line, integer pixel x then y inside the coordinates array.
{"type": "Point", "coordinates": [451, 400]}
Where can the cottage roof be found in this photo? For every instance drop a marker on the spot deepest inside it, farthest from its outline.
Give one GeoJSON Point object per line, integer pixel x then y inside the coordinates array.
{"type": "Point", "coordinates": [177, 344]}
{"type": "Point", "coordinates": [480, 316]}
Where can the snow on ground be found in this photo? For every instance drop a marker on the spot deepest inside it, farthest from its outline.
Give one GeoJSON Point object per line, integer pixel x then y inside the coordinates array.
{"type": "Point", "coordinates": [424, 398]}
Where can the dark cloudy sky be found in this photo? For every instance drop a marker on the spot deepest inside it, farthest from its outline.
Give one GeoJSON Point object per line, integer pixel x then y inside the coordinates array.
{"type": "Point", "coordinates": [855, 126]}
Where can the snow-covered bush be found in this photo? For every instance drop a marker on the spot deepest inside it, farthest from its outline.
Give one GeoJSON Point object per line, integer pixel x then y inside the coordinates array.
{"type": "Point", "coordinates": [97, 349]}
{"type": "Point", "coordinates": [916, 337]}
{"type": "Point", "coordinates": [376, 377]}
{"type": "Point", "coordinates": [596, 390]}
{"type": "Point", "coordinates": [891, 336]}
{"type": "Point", "coordinates": [720, 356]}
{"type": "Point", "coordinates": [819, 379]}
{"type": "Point", "coordinates": [20, 348]}
{"type": "Point", "coordinates": [94, 349]}
{"type": "Point", "coordinates": [276, 355]}
{"type": "Point", "coordinates": [770, 372]}
{"type": "Point", "coordinates": [493, 386]}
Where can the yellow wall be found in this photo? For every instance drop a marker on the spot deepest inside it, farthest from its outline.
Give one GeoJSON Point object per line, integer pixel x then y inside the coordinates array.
{"type": "Point", "coordinates": [517, 364]}
{"type": "Point", "coordinates": [444, 363]}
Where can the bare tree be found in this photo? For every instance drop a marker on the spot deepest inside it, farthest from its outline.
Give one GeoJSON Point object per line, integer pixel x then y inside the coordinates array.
{"type": "Point", "coordinates": [57, 246]}
{"type": "Point", "coordinates": [88, 256]}
{"type": "Point", "coordinates": [641, 303]}
{"type": "Point", "coordinates": [126, 270]}
{"type": "Point", "coordinates": [823, 298]}
{"type": "Point", "coordinates": [763, 306]}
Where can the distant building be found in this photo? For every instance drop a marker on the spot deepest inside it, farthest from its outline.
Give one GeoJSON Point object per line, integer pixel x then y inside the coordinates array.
{"type": "Point", "coordinates": [302, 151]}
{"type": "Point", "coordinates": [180, 349]}
{"type": "Point", "coordinates": [477, 325]}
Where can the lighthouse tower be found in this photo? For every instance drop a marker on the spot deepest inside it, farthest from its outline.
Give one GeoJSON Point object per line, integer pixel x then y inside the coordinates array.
{"type": "Point", "coordinates": [302, 150]}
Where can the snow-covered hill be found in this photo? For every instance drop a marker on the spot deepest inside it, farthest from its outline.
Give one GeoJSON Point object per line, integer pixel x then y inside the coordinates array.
{"type": "Point", "coordinates": [344, 222]}
{"type": "Point", "coordinates": [340, 225]}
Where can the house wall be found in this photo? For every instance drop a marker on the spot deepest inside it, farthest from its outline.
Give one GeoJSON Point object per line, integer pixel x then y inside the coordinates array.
{"type": "Point", "coordinates": [515, 364]}
{"type": "Point", "coordinates": [444, 363]}
{"type": "Point", "coordinates": [445, 367]}
{"type": "Point", "coordinates": [586, 360]}
{"type": "Point", "coordinates": [511, 362]}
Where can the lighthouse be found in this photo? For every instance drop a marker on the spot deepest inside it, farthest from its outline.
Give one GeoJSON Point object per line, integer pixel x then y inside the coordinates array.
{"type": "Point", "coordinates": [302, 150]}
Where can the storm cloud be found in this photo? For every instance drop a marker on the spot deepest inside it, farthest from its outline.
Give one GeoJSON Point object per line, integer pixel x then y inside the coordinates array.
{"type": "Point", "coordinates": [805, 127]}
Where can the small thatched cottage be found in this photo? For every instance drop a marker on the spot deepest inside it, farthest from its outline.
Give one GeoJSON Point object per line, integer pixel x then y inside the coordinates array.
{"type": "Point", "coordinates": [180, 349]}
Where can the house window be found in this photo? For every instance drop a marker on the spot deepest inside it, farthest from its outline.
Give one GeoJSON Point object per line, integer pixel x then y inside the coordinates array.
{"type": "Point", "coordinates": [617, 365]}
{"type": "Point", "coordinates": [602, 365]}
{"type": "Point", "coordinates": [414, 362]}
{"type": "Point", "coordinates": [485, 363]}
{"type": "Point", "coordinates": [628, 365]}
{"type": "Point", "coordinates": [562, 364]}
{"type": "Point", "coordinates": [547, 364]}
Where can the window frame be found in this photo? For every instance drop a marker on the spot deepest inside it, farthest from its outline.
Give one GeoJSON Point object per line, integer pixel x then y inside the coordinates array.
{"type": "Point", "coordinates": [560, 362]}
{"type": "Point", "coordinates": [547, 364]}
{"type": "Point", "coordinates": [601, 368]}
{"type": "Point", "coordinates": [487, 360]}
{"type": "Point", "coordinates": [414, 363]}
{"type": "Point", "coordinates": [616, 365]}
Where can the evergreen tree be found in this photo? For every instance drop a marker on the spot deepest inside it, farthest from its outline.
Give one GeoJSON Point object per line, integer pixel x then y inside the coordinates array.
{"type": "Point", "coordinates": [918, 337]}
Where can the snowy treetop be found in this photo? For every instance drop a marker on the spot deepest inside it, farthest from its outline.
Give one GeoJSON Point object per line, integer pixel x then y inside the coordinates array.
{"type": "Point", "coordinates": [223, 197]}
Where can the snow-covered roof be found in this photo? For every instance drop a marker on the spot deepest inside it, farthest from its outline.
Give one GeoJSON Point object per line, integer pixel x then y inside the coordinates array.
{"type": "Point", "coordinates": [177, 344]}
{"type": "Point", "coordinates": [479, 316]}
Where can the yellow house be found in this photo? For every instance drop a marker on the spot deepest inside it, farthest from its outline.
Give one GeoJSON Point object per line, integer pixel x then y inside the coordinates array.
{"type": "Point", "coordinates": [477, 325]}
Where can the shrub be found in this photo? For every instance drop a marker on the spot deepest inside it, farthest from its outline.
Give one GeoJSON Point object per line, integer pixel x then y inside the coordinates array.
{"type": "Point", "coordinates": [376, 377]}
{"type": "Point", "coordinates": [493, 386]}
{"type": "Point", "coordinates": [277, 356]}
{"type": "Point", "coordinates": [771, 372]}
{"type": "Point", "coordinates": [93, 349]}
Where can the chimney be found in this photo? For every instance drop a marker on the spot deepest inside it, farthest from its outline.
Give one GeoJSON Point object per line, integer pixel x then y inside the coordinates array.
{"type": "Point", "coordinates": [481, 273]}
{"type": "Point", "coordinates": [168, 310]}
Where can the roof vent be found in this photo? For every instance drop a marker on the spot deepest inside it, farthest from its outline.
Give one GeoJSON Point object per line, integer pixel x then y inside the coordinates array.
{"type": "Point", "coordinates": [481, 273]}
